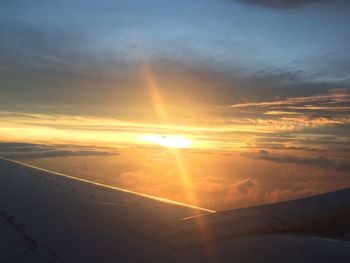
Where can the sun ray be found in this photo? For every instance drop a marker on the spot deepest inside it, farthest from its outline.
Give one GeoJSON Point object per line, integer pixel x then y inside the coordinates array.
{"type": "Point", "coordinates": [174, 142]}
{"type": "Point", "coordinates": [154, 93]}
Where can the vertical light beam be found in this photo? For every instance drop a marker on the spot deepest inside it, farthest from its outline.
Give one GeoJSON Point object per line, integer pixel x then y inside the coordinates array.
{"type": "Point", "coordinates": [160, 111]}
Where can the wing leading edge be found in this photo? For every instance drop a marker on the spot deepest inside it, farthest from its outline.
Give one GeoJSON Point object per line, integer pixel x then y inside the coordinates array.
{"type": "Point", "coordinates": [49, 217]}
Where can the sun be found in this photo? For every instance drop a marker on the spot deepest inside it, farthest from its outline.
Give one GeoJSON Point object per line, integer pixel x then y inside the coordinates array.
{"type": "Point", "coordinates": [168, 141]}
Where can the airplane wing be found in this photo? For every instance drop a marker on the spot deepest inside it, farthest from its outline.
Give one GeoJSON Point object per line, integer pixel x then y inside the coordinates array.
{"type": "Point", "coordinates": [50, 217]}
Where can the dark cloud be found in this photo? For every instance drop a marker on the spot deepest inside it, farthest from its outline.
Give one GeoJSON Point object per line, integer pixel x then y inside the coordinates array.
{"type": "Point", "coordinates": [333, 100]}
{"type": "Point", "coordinates": [245, 186]}
{"type": "Point", "coordinates": [264, 152]}
{"type": "Point", "coordinates": [329, 108]}
{"type": "Point", "coordinates": [284, 4]}
{"type": "Point", "coordinates": [18, 150]}
{"type": "Point", "coordinates": [318, 161]}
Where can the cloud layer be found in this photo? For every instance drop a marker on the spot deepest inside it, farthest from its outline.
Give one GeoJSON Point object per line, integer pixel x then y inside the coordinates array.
{"type": "Point", "coordinates": [317, 161]}
{"type": "Point", "coordinates": [284, 3]}
{"type": "Point", "coordinates": [16, 150]}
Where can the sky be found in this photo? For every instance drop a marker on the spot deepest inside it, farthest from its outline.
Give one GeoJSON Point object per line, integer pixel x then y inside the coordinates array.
{"type": "Point", "coordinates": [238, 83]}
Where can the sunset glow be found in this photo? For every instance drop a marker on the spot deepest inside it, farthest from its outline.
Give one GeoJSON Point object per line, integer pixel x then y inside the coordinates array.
{"type": "Point", "coordinates": [220, 104]}
{"type": "Point", "coordinates": [169, 141]}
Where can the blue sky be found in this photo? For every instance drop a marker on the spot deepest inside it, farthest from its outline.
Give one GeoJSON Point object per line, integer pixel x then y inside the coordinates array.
{"type": "Point", "coordinates": [310, 41]}
{"type": "Point", "coordinates": [85, 57]}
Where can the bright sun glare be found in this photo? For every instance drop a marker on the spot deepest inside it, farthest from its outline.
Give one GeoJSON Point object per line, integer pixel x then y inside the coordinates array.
{"type": "Point", "coordinates": [169, 141]}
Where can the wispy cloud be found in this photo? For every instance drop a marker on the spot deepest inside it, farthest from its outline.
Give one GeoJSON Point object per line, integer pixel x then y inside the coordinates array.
{"type": "Point", "coordinates": [335, 100]}
{"type": "Point", "coordinates": [317, 161]}
{"type": "Point", "coordinates": [283, 4]}
{"type": "Point", "coordinates": [16, 150]}
{"type": "Point", "coordinates": [228, 133]}
{"type": "Point", "coordinates": [278, 113]}
{"type": "Point", "coordinates": [299, 113]}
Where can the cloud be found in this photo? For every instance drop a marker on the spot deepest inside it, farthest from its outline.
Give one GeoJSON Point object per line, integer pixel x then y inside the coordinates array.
{"type": "Point", "coordinates": [283, 4]}
{"type": "Point", "coordinates": [278, 195]}
{"type": "Point", "coordinates": [318, 161]}
{"type": "Point", "coordinates": [18, 150]}
{"type": "Point", "coordinates": [334, 100]}
{"type": "Point", "coordinates": [281, 113]}
{"type": "Point", "coordinates": [330, 108]}
{"type": "Point", "coordinates": [245, 185]}
{"type": "Point", "coordinates": [244, 192]}
{"type": "Point", "coordinates": [263, 152]}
